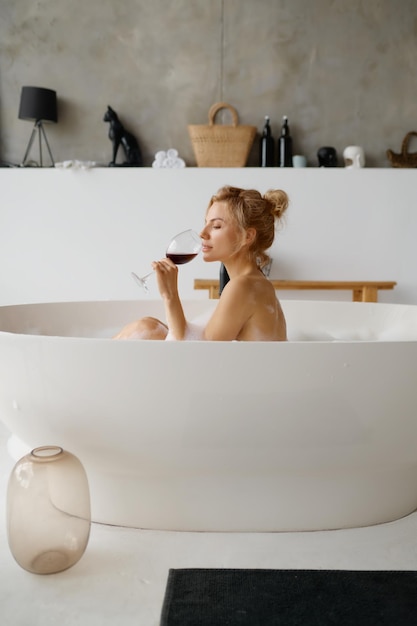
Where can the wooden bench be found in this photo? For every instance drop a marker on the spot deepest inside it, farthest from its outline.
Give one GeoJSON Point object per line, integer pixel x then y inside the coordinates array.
{"type": "Point", "coordinates": [362, 291]}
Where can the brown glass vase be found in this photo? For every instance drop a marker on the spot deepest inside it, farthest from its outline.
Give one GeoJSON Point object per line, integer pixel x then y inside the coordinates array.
{"type": "Point", "coordinates": [48, 510]}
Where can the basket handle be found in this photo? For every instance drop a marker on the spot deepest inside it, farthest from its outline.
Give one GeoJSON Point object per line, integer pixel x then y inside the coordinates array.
{"type": "Point", "coordinates": [404, 149]}
{"type": "Point", "coordinates": [215, 108]}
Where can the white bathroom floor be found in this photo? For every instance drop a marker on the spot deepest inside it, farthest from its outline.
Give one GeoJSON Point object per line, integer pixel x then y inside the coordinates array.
{"type": "Point", "coordinates": [121, 577]}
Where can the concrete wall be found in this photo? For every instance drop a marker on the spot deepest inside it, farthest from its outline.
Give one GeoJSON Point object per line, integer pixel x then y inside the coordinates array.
{"type": "Point", "coordinates": [342, 70]}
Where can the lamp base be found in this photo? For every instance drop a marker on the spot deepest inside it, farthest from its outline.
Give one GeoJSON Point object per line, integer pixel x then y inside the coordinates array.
{"type": "Point", "coordinates": [39, 130]}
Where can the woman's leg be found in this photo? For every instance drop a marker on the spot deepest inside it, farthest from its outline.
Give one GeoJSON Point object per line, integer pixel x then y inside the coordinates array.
{"type": "Point", "coordinates": [144, 328]}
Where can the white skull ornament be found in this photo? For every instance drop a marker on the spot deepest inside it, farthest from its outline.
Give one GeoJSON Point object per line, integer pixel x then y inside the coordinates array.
{"type": "Point", "coordinates": [354, 157]}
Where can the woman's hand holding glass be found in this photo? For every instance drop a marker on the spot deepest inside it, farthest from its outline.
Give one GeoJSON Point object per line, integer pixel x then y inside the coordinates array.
{"type": "Point", "coordinates": [182, 248]}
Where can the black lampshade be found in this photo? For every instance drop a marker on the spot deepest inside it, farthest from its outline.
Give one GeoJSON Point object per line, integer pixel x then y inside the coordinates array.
{"type": "Point", "coordinates": [38, 103]}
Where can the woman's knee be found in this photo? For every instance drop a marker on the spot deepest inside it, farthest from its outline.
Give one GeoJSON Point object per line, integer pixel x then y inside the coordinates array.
{"type": "Point", "coordinates": [144, 328]}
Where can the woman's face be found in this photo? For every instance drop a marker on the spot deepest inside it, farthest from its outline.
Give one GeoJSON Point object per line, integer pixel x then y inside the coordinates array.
{"type": "Point", "coordinates": [222, 238]}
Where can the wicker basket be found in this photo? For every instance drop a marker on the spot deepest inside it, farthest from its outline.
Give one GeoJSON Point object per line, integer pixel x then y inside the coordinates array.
{"type": "Point", "coordinates": [221, 145]}
{"type": "Point", "coordinates": [405, 158]}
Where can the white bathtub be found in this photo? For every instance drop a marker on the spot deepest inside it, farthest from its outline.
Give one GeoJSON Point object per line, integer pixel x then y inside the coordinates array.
{"type": "Point", "coordinates": [315, 433]}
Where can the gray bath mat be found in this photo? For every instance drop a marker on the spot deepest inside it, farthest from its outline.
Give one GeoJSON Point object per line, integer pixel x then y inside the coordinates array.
{"type": "Point", "coordinates": [260, 597]}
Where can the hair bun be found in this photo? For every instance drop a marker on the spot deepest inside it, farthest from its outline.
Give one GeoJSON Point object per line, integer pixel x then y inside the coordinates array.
{"type": "Point", "coordinates": [279, 201]}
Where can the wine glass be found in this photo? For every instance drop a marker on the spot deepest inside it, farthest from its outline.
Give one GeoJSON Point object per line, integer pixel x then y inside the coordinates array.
{"type": "Point", "coordinates": [182, 248]}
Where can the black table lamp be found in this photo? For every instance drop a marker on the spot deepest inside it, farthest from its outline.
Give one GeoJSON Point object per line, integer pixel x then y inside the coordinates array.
{"type": "Point", "coordinates": [39, 105]}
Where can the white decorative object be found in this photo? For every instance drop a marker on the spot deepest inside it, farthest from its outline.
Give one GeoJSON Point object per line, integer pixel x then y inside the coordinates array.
{"type": "Point", "coordinates": [76, 165]}
{"type": "Point", "coordinates": [354, 157]}
{"type": "Point", "coordinates": [169, 159]}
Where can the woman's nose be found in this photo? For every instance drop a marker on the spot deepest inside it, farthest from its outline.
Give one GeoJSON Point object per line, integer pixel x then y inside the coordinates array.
{"type": "Point", "coordinates": [203, 233]}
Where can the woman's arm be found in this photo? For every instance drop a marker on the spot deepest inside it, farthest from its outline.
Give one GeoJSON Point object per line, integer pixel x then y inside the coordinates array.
{"type": "Point", "coordinates": [167, 278]}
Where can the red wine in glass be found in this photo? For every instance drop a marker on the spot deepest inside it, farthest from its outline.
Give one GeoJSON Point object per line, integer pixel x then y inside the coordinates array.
{"type": "Point", "coordinates": [180, 259]}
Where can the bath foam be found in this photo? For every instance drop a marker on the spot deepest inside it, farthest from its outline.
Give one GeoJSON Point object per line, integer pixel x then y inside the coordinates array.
{"type": "Point", "coordinates": [195, 328]}
{"type": "Point", "coordinates": [193, 332]}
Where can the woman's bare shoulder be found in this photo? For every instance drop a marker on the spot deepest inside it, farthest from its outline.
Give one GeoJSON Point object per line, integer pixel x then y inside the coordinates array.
{"type": "Point", "coordinates": [254, 283]}
{"type": "Point", "coordinates": [249, 292]}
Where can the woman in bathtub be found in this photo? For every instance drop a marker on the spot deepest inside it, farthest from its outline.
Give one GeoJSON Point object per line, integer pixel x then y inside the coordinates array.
{"type": "Point", "coordinates": [240, 227]}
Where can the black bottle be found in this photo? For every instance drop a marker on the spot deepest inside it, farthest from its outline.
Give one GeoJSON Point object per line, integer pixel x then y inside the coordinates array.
{"type": "Point", "coordinates": [224, 278]}
{"type": "Point", "coordinates": [266, 146]}
{"type": "Point", "coordinates": [285, 145]}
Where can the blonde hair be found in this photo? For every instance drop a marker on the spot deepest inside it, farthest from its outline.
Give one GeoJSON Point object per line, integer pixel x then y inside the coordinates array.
{"type": "Point", "coordinates": [251, 209]}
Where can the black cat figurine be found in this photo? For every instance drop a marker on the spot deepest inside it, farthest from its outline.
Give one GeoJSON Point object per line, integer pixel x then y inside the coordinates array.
{"type": "Point", "coordinates": [118, 135]}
